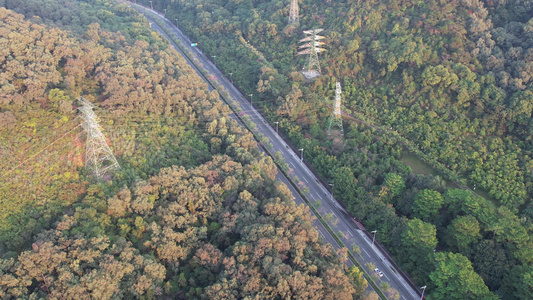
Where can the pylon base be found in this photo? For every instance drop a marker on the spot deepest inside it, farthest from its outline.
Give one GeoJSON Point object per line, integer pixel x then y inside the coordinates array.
{"type": "Point", "coordinates": [310, 74]}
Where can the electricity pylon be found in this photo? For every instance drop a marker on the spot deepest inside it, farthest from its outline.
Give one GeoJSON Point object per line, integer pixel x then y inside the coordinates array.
{"type": "Point", "coordinates": [98, 156]}
{"type": "Point", "coordinates": [336, 116]}
{"type": "Point", "coordinates": [294, 13]}
{"type": "Point", "coordinates": [312, 47]}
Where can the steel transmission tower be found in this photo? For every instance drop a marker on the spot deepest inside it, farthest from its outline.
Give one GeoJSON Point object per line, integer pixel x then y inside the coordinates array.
{"type": "Point", "coordinates": [294, 13]}
{"type": "Point", "coordinates": [312, 47]}
{"type": "Point", "coordinates": [98, 156]}
{"type": "Point", "coordinates": [336, 117]}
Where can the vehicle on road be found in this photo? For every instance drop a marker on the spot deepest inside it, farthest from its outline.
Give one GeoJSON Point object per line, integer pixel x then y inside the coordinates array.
{"type": "Point", "coordinates": [380, 274]}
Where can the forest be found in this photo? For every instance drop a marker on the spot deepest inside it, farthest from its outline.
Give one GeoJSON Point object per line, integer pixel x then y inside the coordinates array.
{"type": "Point", "coordinates": [446, 81]}
{"type": "Point", "coordinates": [194, 212]}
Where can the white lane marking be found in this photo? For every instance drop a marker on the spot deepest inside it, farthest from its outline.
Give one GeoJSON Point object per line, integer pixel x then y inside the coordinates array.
{"type": "Point", "coordinates": [308, 182]}
{"type": "Point", "coordinates": [337, 205]}
{"type": "Point", "coordinates": [350, 233]}
{"type": "Point", "coordinates": [307, 171]}
{"type": "Point", "coordinates": [366, 253]}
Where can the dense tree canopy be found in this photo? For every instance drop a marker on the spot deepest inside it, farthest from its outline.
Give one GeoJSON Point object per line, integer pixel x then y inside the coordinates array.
{"type": "Point", "coordinates": [445, 82]}
{"type": "Point", "coordinates": [193, 212]}
{"type": "Point", "coordinates": [462, 232]}
{"type": "Point", "coordinates": [454, 278]}
{"type": "Point", "coordinates": [427, 205]}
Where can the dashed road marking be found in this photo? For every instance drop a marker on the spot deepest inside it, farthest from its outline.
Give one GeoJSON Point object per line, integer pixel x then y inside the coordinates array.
{"type": "Point", "coordinates": [366, 253]}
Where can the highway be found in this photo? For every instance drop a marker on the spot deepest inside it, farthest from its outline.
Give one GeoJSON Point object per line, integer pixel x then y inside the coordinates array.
{"type": "Point", "coordinates": [341, 222]}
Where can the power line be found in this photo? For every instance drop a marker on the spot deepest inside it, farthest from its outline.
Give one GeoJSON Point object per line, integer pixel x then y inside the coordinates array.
{"type": "Point", "coordinates": [119, 125]}
{"type": "Point", "coordinates": [31, 146]}
{"type": "Point", "coordinates": [32, 156]}
{"type": "Point", "coordinates": [57, 163]}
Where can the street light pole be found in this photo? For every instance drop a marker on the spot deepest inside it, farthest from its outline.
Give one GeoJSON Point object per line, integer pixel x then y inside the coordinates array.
{"type": "Point", "coordinates": [176, 21]}
{"type": "Point", "coordinates": [151, 5]}
{"type": "Point", "coordinates": [373, 238]}
{"type": "Point", "coordinates": [331, 194]}
{"type": "Point", "coordinates": [423, 290]}
{"type": "Point", "coordinates": [302, 154]}
{"type": "Point", "coordinates": [277, 126]}
{"type": "Point", "coordinates": [251, 98]}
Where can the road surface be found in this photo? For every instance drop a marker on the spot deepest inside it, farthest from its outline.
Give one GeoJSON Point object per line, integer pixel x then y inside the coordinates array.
{"type": "Point", "coordinates": [340, 221]}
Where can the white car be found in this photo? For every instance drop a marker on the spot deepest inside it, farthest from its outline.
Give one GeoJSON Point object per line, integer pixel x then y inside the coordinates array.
{"type": "Point", "coordinates": [380, 274]}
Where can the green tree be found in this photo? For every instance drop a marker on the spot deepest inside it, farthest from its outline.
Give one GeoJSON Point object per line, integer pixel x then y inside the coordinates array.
{"type": "Point", "coordinates": [454, 278]}
{"type": "Point", "coordinates": [490, 262]}
{"type": "Point", "coordinates": [389, 291]}
{"type": "Point", "coordinates": [57, 98]}
{"type": "Point", "coordinates": [395, 183]}
{"type": "Point", "coordinates": [418, 241]}
{"type": "Point", "coordinates": [359, 280]}
{"type": "Point", "coordinates": [427, 205]}
{"type": "Point", "coordinates": [462, 233]}
{"type": "Point", "coordinates": [518, 284]}
{"type": "Point", "coordinates": [454, 199]}
{"type": "Point", "coordinates": [345, 184]}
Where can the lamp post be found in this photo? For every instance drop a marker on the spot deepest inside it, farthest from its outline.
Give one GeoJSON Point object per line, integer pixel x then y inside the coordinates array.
{"type": "Point", "coordinates": [301, 154]}
{"type": "Point", "coordinates": [251, 98]}
{"type": "Point", "coordinates": [151, 5]}
{"type": "Point", "coordinates": [331, 194]}
{"type": "Point", "coordinates": [423, 290]}
{"type": "Point", "coordinates": [165, 12]}
{"type": "Point", "coordinates": [277, 126]}
{"type": "Point", "coordinates": [373, 238]}
{"type": "Point", "coordinates": [176, 21]}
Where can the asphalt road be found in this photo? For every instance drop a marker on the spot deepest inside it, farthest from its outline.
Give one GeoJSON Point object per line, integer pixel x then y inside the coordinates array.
{"type": "Point", "coordinates": [340, 221]}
